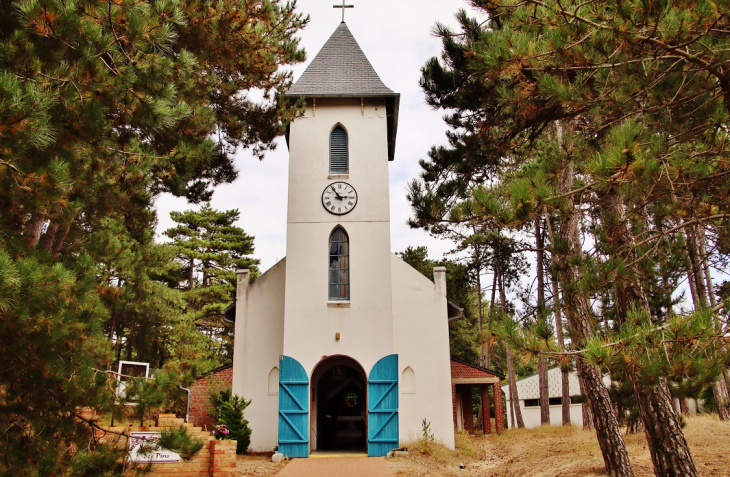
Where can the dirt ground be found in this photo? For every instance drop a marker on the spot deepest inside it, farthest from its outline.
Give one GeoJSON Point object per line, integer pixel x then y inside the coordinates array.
{"type": "Point", "coordinates": [548, 451]}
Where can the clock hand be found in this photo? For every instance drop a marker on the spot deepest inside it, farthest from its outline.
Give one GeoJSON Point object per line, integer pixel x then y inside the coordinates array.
{"type": "Point", "coordinates": [333, 190]}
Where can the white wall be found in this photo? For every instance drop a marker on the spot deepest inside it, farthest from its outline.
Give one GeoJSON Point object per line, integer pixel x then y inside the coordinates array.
{"type": "Point", "coordinates": [392, 307]}
{"type": "Point", "coordinates": [528, 388]}
{"type": "Point", "coordinates": [258, 344]}
{"type": "Point", "coordinates": [531, 415]}
{"type": "Point", "coordinates": [421, 335]}
{"type": "Point", "coordinates": [365, 322]}
{"type": "Point", "coordinates": [309, 160]}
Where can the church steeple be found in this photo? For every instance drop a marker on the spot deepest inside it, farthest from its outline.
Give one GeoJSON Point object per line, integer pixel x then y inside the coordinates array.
{"type": "Point", "coordinates": [341, 70]}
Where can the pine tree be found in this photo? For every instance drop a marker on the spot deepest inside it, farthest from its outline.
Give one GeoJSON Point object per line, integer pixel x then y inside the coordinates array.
{"type": "Point", "coordinates": [574, 108]}
{"type": "Point", "coordinates": [209, 249]}
{"type": "Point", "coordinates": [103, 105]}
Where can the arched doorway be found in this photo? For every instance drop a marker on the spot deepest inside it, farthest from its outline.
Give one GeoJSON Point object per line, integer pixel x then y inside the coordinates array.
{"type": "Point", "coordinates": [339, 405]}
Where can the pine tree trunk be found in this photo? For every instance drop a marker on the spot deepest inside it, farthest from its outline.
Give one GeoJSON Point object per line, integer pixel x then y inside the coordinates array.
{"type": "Point", "coordinates": [585, 407]}
{"type": "Point", "coordinates": [604, 419]}
{"type": "Point", "coordinates": [566, 397]}
{"type": "Point", "coordinates": [542, 367]}
{"type": "Point", "coordinates": [488, 347]}
{"type": "Point", "coordinates": [565, 381]}
{"type": "Point", "coordinates": [720, 385]}
{"type": "Point", "coordinates": [684, 406]}
{"type": "Point", "coordinates": [479, 308]}
{"type": "Point", "coordinates": [63, 232]}
{"type": "Point", "coordinates": [667, 445]}
{"type": "Point", "coordinates": [191, 275]}
{"type": "Point", "coordinates": [695, 261]}
{"type": "Point", "coordinates": [722, 398]}
{"type": "Point", "coordinates": [512, 413]}
{"type": "Point", "coordinates": [513, 397]}
{"type": "Point", "coordinates": [580, 318]}
{"type": "Point", "coordinates": [50, 236]}
{"type": "Point", "coordinates": [111, 333]}
{"type": "Point", "coordinates": [542, 364]}
{"type": "Point", "coordinates": [692, 287]}
{"type": "Point", "coordinates": [669, 450]}
{"type": "Point", "coordinates": [33, 229]}
{"type": "Point", "coordinates": [706, 268]}
{"type": "Point", "coordinates": [61, 239]}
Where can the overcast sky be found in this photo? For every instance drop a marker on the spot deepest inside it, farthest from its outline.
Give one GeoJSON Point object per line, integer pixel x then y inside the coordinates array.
{"type": "Point", "coordinates": [396, 37]}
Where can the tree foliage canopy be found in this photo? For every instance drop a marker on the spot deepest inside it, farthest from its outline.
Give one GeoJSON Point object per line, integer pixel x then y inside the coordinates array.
{"type": "Point", "coordinates": [608, 120]}
{"type": "Point", "coordinates": [104, 105]}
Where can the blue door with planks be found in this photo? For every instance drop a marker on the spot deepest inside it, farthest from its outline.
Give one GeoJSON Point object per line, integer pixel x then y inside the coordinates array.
{"type": "Point", "coordinates": [293, 408]}
{"type": "Point", "coordinates": [383, 407]}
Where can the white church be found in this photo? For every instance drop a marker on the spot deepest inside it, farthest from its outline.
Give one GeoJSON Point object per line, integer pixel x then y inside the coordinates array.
{"type": "Point", "coordinates": [342, 346]}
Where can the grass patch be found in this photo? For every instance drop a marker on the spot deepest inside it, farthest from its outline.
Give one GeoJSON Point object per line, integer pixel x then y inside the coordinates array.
{"type": "Point", "coordinates": [565, 451]}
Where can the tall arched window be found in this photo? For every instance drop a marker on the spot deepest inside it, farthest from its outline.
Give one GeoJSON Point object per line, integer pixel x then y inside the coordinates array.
{"type": "Point", "coordinates": [339, 273]}
{"type": "Point", "coordinates": [339, 163]}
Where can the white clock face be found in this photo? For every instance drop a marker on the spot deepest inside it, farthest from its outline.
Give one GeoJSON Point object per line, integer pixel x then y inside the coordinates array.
{"type": "Point", "coordinates": [339, 198]}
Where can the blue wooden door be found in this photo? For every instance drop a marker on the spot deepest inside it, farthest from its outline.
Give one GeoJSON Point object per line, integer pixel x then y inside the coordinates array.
{"type": "Point", "coordinates": [293, 408]}
{"type": "Point", "coordinates": [383, 407]}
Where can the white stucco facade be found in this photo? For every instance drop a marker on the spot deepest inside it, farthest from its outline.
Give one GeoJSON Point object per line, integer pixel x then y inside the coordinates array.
{"type": "Point", "coordinates": [259, 340]}
{"type": "Point", "coordinates": [421, 338]}
{"type": "Point", "coordinates": [365, 320]}
{"type": "Point", "coordinates": [391, 308]}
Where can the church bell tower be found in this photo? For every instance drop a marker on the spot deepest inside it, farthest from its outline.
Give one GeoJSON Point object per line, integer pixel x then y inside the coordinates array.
{"type": "Point", "coordinates": [338, 277]}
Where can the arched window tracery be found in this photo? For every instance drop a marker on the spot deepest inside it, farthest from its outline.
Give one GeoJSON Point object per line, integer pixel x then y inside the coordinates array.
{"type": "Point", "coordinates": [339, 265]}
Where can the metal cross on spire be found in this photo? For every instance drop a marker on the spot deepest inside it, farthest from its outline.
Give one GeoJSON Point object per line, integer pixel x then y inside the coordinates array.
{"type": "Point", "coordinates": [343, 6]}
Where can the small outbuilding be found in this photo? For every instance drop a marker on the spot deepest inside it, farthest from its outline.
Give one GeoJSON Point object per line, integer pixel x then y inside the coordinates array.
{"type": "Point", "coordinates": [528, 392]}
{"type": "Point", "coordinates": [464, 378]}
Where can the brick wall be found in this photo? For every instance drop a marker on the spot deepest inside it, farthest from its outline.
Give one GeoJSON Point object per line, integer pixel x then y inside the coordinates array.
{"type": "Point", "coordinates": [215, 459]}
{"type": "Point", "coordinates": [223, 458]}
{"type": "Point", "coordinates": [199, 391]}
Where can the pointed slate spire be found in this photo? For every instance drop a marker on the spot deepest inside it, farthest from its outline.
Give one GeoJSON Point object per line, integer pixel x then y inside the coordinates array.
{"type": "Point", "coordinates": [340, 69]}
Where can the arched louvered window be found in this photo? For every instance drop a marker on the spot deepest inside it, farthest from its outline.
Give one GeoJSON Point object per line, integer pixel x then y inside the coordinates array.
{"type": "Point", "coordinates": [339, 163]}
{"type": "Point", "coordinates": [339, 272]}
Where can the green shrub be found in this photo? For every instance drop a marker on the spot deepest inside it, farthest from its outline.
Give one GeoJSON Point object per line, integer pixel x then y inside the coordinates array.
{"type": "Point", "coordinates": [228, 410]}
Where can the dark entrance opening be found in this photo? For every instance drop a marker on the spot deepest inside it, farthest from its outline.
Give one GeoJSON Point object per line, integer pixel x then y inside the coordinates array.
{"type": "Point", "coordinates": [340, 398]}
